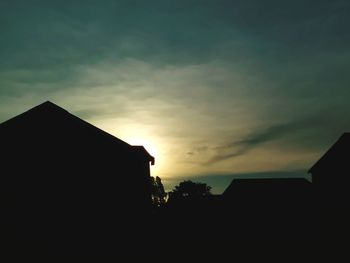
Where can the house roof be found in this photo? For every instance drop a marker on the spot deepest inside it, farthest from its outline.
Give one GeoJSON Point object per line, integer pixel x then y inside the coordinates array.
{"type": "Point", "coordinates": [48, 113]}
{"type": "Point", "coordinates": [337, 155]}
{"type": "Point", "coordinates": [142, 151]}
{"type": "Point", "coordinates": [268, 184]}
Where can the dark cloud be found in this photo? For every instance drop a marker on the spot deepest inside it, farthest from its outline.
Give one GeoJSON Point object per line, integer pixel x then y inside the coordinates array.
{"type": "Point", "coordinates": [62, 34]}
{"type": "Point", "coordinates": [198, 150]}
{"type": "Point", "coordinates": [270, 61]}
{"type": "Point", "coordinates": [57, 33]}
{"type": "Point", "coordinates": [303, 134]}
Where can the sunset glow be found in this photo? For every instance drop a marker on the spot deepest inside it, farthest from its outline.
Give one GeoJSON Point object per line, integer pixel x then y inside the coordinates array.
{"type": "Point", "coordinates": [211, 90]}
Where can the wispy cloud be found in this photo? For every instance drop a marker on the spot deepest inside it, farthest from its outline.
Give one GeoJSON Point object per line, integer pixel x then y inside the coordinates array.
{"type": "Point", "coordinates": [305, 130]}
{"type": "Point", "coordinates": [211, 81]}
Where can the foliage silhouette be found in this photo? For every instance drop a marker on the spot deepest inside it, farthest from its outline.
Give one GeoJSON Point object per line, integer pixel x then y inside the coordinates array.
{"type": "Point", "coordinates": [62, 153]}
{"type": "Point", "coordinates": [157, 192]}
{"type": "Point", "coordinates": [188, 190]}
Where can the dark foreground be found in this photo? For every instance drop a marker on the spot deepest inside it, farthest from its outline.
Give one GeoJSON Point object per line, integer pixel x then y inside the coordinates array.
{"type": "Point", "coordinates": [211, 225]}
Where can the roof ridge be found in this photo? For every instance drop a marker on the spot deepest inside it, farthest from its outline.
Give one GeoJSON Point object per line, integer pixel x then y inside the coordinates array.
{"type": "Point", "coordinates": [48, 105]}
{"type": "Point", "coordinates": [330, 150]}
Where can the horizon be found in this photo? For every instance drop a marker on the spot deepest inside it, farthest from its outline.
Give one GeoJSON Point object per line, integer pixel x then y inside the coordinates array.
{"type": "Point", "coordinates": [213, 90]}
{"type": "Point", "coordinates": [218, 182]}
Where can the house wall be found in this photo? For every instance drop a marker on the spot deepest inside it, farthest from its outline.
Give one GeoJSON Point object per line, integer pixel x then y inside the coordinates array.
{"type": "Point", "coordinates": [70, 183]}
{"type": "Point", "coordinates": [335, 176]}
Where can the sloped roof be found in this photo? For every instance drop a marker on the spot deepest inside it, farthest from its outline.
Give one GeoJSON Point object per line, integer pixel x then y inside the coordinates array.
{"type": "Point", "coordinates": [49, 113]}
{"type": "Point", "coordinates": [142, 151]}
{"type": "Point", "coordinates": [337, 155]}
{"type": "Point", "coordinates": [266, 184]}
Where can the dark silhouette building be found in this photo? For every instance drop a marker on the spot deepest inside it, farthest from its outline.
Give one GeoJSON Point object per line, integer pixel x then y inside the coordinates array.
{"type": "Point", "coordinates": [270, 207]}
{"type": "Point", "coordinates": [64, 178]}
{"type": "Point", "coordinates": [261, 188]}
{"type": "Point", "coordinates": [330, 176]}
{"type": "Point", "coordinates": [295, 207]}
{"type": "Point", "coordinates": [333, 168]}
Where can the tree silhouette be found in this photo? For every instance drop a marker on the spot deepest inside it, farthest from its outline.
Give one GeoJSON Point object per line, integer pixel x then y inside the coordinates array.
{"type": "Point", "coordinates": [157, 191]}
{"type": "Point", "coordinates": [188, 190]}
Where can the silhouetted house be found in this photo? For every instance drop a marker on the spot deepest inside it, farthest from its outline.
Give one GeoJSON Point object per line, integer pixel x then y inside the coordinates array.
{"type": "Point", "coordinates": [271, 206]}
{"type": "Point", "coordinates": [66, 176]}
{"type": "Point", "coordinates": [333, 168]}
{"type": "Point", "coordinates": [267, 189]}
{"type": "Point", "coordinates": [330, 175]}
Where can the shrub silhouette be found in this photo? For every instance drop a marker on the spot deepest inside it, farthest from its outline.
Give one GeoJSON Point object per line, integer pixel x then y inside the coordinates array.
{"type": "Point", "coordinates": [157, 192]}
{"type": "Point", "coordinates": [188, 190]}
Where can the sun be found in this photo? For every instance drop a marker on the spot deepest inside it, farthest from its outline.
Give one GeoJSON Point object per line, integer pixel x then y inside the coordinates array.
{"type": "Point", "coordinates": [152, 149]}
{"type": "Point", "coordinates": [140, 135]}
{"type": "Point", "coordinates": [147, 144]}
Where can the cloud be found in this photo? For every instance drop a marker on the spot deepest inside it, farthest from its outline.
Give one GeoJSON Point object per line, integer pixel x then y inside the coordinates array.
{"type": "Point", "coordinates": [197, 75]}
{"type": "Point", "coordinates": [302, 134]}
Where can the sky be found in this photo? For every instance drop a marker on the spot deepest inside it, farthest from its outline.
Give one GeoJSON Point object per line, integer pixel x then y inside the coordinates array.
{"type": "Point", "coordinates": [213, 89]}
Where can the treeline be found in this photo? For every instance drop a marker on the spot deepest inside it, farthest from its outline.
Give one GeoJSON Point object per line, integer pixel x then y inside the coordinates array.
{"type": "Point", "coordinates": [183, 192]}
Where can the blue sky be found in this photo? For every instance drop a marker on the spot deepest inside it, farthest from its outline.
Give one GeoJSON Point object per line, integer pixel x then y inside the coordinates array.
{"type": "Point", "coordinates": [213, 89]}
